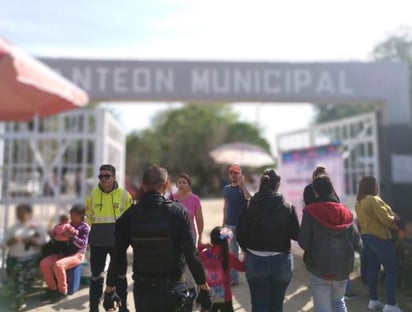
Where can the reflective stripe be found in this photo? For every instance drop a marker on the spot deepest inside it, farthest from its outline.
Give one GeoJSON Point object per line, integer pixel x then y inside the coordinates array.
{"type": "Point", "coordinates": [124, 197]}
{"type": "Point", "coordinates": [99, 219]}
{"type": "Point", "coordinates": [107, 208]}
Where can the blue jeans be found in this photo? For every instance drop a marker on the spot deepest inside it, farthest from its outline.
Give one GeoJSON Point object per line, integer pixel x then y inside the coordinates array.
{"type": "Point", "coordinates": [234, 249]}
{"type": "Point", "coordinates": [381, 251]}
{"type": "Point", "coordinates": [268, 279]}
{"type": "Point", "coordinates": [327, 295]}
{"type": "Point", "coordinates": [348, 288]}
{"type": "Point", "coordinates": [363, 264]}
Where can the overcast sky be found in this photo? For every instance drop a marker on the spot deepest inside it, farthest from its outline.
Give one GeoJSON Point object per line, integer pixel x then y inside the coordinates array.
{"type": "Point", "coordinates": [289, 31]}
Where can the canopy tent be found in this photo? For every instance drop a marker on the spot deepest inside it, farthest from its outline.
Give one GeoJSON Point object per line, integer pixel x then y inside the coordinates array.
{"type": "Point", "coordinates": [243, 154]}
{"type": "Point", "coordinates": [30, 90]}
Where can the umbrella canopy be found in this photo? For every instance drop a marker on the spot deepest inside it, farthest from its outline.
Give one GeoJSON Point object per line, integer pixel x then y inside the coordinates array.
{"type": "Point", "coordinates": [243, 154]}
{"type": "Point", "coordinates": [29, 88]}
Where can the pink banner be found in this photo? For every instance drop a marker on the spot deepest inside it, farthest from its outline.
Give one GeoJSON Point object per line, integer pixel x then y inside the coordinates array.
{"type": "Point", "coordinates": [297, 167]}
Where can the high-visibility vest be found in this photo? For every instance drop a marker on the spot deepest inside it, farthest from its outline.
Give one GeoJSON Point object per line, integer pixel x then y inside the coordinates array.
{"type": "Point", "coordinates": [104, 207]}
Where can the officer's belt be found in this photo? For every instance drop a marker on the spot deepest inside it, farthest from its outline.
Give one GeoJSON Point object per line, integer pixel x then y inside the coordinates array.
{"type": "Point", "coordinates": [158, 281]}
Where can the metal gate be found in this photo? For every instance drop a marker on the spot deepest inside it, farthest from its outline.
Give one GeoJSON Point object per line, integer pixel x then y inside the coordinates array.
{"type": "Point", "coordinates": [357, 135]}
{"type": "Point", "coordinates": [53, 163]}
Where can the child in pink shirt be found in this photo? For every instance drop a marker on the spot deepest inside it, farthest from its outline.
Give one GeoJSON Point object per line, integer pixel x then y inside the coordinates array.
{"type": "Point", "coordinates": [219, 249]}
{"type": "Point", "coordinates": [61, 230]}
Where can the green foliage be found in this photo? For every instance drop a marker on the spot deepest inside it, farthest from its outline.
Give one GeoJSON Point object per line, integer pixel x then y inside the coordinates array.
{"type": "Point", "coordinates": [331, 112]}
{"type": "Point", "coordinates": [397, 47]}
{"type": "Point", "coordinates": [181, 139]}
{"type": "Point", "coordinates": [246, 132]}
{"type": "Point", "coordinates": [142, 149]}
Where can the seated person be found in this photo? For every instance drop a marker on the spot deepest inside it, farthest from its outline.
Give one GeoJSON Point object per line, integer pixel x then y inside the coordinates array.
{"type": "Point", "coordinates": [54, 266]}
{"type": "Point", "coordinates": [24, 241]}
{"type": "Point", "coordinates": [60, 241]}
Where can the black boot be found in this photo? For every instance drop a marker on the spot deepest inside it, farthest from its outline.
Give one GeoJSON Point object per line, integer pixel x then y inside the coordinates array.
{"type": "Point", "coordinates": [188, 307]}
{"type": "Point", "coordinates": [95, 293]}
{"type": "Point", "coordinates": [20, 304]}
{"type": "Point", "coordinates": [121, 289]}
{"type": "Point", "coordinates": [94, 307]}
{"type": "Point", "coordinates": [48, 295]}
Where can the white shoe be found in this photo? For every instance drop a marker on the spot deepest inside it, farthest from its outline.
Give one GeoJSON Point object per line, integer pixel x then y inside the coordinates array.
{"type": "Point", "coordinates": [391, 308]}
{"type": "Point", "coordinates": [375, 305]}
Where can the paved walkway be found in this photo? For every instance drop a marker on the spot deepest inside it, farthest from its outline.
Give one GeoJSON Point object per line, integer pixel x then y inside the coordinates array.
{"type": "Point", "coordinates": [298, 297]}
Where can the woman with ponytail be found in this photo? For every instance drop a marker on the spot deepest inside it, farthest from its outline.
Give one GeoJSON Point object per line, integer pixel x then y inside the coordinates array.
{"type": "Point", "coordinates": [264, 231]}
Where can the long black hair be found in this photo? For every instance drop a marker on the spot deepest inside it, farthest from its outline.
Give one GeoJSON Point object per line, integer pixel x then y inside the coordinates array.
{"type": "Point", "coordinates": [217, 239]}
{"type": "Point", "coordinates": [269, 180]}
{"type": "Point", "coordinates": [323, 186]}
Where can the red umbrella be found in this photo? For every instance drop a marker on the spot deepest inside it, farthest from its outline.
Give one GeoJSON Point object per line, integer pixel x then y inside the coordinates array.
{"type": "Point", "coordinates": [29, 88]}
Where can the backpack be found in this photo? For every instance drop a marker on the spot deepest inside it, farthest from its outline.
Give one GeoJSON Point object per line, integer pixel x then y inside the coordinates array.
{"type": "Point", "coordinates": [215, 277]}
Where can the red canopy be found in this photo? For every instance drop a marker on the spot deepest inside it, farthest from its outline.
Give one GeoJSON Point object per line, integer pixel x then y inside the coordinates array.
{"type": "Point", "coordinates": [29, 88]}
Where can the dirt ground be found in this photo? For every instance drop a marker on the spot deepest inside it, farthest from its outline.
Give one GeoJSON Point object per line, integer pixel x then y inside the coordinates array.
{"type": "Point", "coordinates": [298, 298]}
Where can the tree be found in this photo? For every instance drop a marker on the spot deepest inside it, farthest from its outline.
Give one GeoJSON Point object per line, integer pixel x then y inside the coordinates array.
{"type": "Point", "coordinates": [397, 47]}
{"type": "Point", "coordinates": [334, 111]}
{"type": "Point", "coordinates": [246, 132]}
{"type": "Point", "coordinates": [182, 138]}
{"type": "Point", "coordinates": [142, 149]}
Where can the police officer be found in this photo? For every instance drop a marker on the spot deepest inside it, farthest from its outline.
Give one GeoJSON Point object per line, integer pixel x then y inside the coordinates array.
{"type": "Point", "coordinates": [104, 206]}
{"type": "Point", "coordinates": [159, 232]}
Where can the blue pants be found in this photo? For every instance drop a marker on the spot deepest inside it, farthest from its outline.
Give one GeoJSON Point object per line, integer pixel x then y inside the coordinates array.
{"type": "Point", "coordinates": [328, 296]}
{"type": "Point", "coordinates": [234, 249]}
{"type": "Point", "coordinates": [381, 252]}
{"type": "Point", "coordinates": [268, 278]}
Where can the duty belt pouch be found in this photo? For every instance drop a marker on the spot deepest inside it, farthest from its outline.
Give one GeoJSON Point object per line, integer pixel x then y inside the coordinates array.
{"type": "Point", "coordinates": [178, 295]}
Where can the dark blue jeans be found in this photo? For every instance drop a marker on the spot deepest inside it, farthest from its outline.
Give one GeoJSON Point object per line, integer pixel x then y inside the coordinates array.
{"type": "Point", "coordinates": [97, 263]}
{"type": "Point", "coordinates": [268, 279]}
{"type": "Point", "coordinates": [381, 251]}
{"type": "Point", "coordinates": [161, 298]}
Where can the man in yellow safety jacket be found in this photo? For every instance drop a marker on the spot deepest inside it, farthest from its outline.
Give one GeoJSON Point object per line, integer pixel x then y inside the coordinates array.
{"type": "Point", "coordinates": [104, 206]}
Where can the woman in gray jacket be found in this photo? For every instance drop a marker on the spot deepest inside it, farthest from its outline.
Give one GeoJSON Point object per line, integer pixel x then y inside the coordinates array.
{"type": "Point", "coordinates": [328, 238]}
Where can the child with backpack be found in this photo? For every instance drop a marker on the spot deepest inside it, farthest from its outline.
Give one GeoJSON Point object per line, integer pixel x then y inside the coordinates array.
{"type": "Point", "coordinates": [218, 262]}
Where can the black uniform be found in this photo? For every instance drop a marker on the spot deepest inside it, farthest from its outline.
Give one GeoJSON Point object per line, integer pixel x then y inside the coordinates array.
{"type": "Point", "coordinates": [160, 234]}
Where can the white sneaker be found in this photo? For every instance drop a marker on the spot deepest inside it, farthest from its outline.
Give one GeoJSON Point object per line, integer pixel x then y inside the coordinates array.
{"type": "Point", "coordinates": [391, 308]}
{"type": "Point", "coordinates": [375, 305]}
